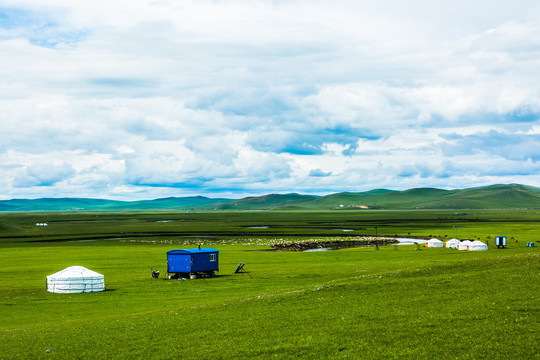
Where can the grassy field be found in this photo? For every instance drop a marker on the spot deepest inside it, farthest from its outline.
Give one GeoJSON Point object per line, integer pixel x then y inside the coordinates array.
{"type": "Point", "coordinates": [18, 228]}
{"type": "Point", "coordinates": [353, 303]}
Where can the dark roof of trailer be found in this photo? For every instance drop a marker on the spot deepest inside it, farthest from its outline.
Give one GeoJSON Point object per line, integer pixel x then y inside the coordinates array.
{"type": "Point", "coordinates": [192, 251]}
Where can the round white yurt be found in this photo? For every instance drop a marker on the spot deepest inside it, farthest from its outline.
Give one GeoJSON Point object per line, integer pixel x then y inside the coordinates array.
{"type": "Point", "coordinates": [452, 243]}
{"type": "Point", "coordinates": [434, 243]}
{"type": "Point", "coordinates": [75, 279]}
{"type": "Point", "coordinates": [477, 246]}
{"type": "Point", "coordinates": [464, 245]}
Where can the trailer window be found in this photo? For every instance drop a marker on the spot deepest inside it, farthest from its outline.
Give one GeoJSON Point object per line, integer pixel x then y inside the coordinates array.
{"type": "Point", "coordinates": [212, 257]}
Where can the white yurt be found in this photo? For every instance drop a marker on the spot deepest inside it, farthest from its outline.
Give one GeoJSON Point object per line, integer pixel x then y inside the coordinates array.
{"type": "Point", "coordinates": [434, 243]}
{"type": "Point", "coordinates": [477, 246]}
{"type": "Point", "coordinates": [452, 243]}
{"type": "Point", "coordinates": [464, 245]}
{"type": "Point", "coordinates": [75, 279]}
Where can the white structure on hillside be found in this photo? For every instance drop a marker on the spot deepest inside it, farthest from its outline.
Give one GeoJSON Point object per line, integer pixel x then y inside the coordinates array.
{"type": "Point", "coordinates": [75, 279]}
{"type": "Point", "coordinates": [464, 245]}
{"type": "Point", "coordinates": [452, 244]}
{"type": "Point", "coordinates": [477, 246]}
{"type": "Point", "coordinates": [434, 243]}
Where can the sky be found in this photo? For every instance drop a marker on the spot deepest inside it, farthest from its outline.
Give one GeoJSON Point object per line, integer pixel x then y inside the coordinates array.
{"type": "Point", "coordinates": [141, 99]}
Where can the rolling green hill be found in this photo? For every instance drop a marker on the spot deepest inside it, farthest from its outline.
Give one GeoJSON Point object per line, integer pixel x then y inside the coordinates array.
{"type": "Point", "coordinates": [489, 197]}
{"type": "Point", "coordinates": [81, 204]}
{"type": "Point", "coordinates": [513, 196]}
{"type": "Point", "coordinates": [268, 202]}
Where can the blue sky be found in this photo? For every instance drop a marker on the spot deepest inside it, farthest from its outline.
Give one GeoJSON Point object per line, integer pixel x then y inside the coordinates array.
{"type": "Point", "coordinates": [145, 99]}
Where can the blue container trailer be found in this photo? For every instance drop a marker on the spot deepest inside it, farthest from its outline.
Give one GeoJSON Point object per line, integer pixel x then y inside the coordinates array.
{"type": "Point", "coordinates": [500, 242]}
{"type": "Point", "coordinates": [192, 262]}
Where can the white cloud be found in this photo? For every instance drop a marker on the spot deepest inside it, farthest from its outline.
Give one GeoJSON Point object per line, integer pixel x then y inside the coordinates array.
{"type": "Point", "coordinates": [203, 96]}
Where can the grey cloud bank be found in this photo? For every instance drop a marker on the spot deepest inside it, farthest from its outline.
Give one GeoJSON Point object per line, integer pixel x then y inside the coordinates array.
{"type": "Point", "coordinates": [152, 99]}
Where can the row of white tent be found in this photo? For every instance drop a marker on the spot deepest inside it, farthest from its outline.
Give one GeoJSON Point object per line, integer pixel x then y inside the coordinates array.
{"type": "Point", "coordinates": [469, 245]}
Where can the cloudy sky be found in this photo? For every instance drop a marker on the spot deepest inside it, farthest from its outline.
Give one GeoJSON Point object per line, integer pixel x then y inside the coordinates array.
{"type": "Point", "coordinates": [140, 99]}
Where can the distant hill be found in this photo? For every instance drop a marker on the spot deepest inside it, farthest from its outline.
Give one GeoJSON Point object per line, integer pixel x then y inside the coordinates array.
{"type": "Point", "coordinates": [513, 196]}
{"type": "Point", "coordinates": [83, 204]}
{"type": "Point", "coordinates": [268, 202]}
{"type": "Point", "coordinates": [490, 197]}
{"type": "Point", "coordinates": [168, 203]}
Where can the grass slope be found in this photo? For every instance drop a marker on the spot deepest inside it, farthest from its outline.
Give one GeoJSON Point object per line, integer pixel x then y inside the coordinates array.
{"type": "Point", "coordinates": [355, 303]}
{"type": "Point", "coordinates": [268, 202]}
{"type": "Point", "coordinates": [167, 203]}
{"type": "Point", "coordinates": [82, 204]}
{"type": "Point", "coordinates": [56, 204]}
{"type": "Point", "coordinates": [181, 226]}
{"type": "Point", "coordinates": [491, 197]}
{"type": "Point", "coordinates": [394, 303]}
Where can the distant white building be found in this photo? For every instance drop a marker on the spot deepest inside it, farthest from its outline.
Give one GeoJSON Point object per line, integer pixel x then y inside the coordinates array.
{"type": "Point", "coordinates": [478, 246]}
{"type": "Point", "coordinates": [464, 245]}
{"type": "Point", "coordinates": [434, 243]}
{"type": "Point", "coordinates": [452, 244]}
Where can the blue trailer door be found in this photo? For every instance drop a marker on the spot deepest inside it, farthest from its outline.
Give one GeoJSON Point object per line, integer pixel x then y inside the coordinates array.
{"type": "Point", "coordinates": [178, 263]}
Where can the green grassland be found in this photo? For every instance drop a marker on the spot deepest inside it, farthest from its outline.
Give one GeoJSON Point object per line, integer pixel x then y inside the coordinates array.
{"type": "Point", "coordinates": [352, 303]}
{"type": "Point", "coordinates": [19, 228]}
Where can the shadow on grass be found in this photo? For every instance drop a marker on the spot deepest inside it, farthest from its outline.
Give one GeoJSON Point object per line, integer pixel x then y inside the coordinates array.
{"type": "Point", "coordinates": [199, 278]}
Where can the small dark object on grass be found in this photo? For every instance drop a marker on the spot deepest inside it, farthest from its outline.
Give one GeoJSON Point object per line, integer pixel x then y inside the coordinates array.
{"type": "Point", "coordinates": [155, 274]}
{"type": "Point", "coordinates": [240, 269]}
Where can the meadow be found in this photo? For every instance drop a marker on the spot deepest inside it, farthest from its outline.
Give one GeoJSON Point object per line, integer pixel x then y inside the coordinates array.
{"type": "Point", "coordinates": [393, 303]}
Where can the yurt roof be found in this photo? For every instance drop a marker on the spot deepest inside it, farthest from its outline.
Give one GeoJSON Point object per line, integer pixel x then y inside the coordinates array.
{"type": "Point", "coordinates": [75, 272]}
{"type": "Point", "coordinates": [478, 246]}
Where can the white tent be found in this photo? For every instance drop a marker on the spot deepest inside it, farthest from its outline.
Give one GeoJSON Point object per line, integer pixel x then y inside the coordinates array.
{"type": "Point", "coordinates": [452, 244]}
{"type": "Point", "coordinates": [434, 243]}
{"type": "Point", "coordinates": [464, 245]}
{"type": "Point", "coordinates": [477, 246]}
{"type": "Point", "coordinates": [75, 279]}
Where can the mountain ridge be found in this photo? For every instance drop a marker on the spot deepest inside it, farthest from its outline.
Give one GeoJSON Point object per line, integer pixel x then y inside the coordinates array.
{"type": "Point", "coordinates": [498, 196]}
